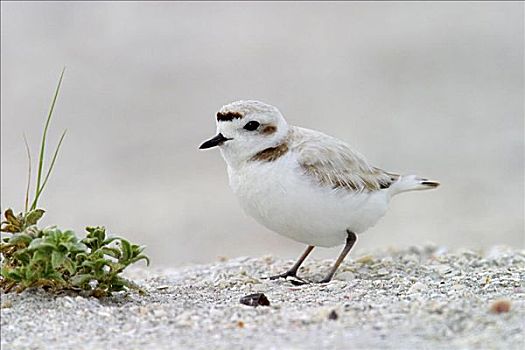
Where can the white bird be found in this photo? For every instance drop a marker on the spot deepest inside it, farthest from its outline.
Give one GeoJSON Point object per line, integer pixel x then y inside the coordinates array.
{"type": "Point", "coordinates": [301, 183]}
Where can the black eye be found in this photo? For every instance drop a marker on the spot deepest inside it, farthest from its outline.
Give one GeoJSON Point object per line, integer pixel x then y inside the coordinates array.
{"type": "Point", "coordinates": [251, 126]}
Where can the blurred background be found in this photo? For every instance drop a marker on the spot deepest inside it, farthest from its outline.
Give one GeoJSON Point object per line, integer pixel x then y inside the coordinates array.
{"type": "Point", "coordinates": [434, 89]}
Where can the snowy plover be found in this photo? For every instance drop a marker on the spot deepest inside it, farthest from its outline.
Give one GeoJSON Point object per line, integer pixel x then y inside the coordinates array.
{"type": "Point", "coordinates": [301, 183]}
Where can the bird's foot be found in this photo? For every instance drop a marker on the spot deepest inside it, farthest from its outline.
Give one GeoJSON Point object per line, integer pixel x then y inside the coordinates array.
{"type": "Point", "coordinates": [289, 276]}
{"type": "Point", "coordinates": [325, 280]}
{"type": "Point", "coordinates": [282, 275]}
{"type": "Point", "coordinates": [297, 281]}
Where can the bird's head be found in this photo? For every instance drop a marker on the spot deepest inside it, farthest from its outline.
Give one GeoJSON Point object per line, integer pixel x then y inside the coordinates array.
{"type": "Point", "coordinates": [245, 128]}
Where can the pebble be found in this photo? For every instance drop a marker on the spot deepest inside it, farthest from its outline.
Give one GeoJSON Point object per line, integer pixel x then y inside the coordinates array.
{"type": "Point", "coordinates": [417, 287]}
{"type": "Point", "coordinates": [333, 315]}
{"type": "Point", "coordinates": [383, 272]}
{"type": "Point", "coordinates": [346, 276]}
{"type": "Point", "coordinates": [500, 306]}
{"type": "Point", "coordinates": [184, 319]}
{"type": "Point", "coordinates": [6, 304]}
{"type": "Point", "coordinates": [256, 299]}
{"type": "Point", "coordinates": [366, 259]}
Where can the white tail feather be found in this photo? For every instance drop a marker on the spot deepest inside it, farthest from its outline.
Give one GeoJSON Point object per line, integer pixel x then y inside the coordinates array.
{"type": "Point", "coordinates": [412, 183]}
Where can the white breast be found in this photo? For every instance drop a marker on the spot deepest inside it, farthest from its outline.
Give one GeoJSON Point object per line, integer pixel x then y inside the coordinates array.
{"type": "Point", "coordinates": [282, 198]}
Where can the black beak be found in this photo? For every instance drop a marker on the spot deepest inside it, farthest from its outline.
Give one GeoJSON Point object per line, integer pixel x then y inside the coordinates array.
{"type": "Point", "coordinates": [215, 141]}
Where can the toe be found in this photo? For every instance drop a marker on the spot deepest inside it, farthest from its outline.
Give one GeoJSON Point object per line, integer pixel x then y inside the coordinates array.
{"type": "Point", "coordinates": [297, 281]}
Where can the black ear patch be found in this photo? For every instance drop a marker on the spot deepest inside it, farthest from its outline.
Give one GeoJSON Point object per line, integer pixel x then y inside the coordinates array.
{"type": "Point", "coordinates": [228, 116]}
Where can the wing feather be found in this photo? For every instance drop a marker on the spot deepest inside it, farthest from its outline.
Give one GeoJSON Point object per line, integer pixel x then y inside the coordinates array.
{"type": "Point", "coordinates": [333, 163]}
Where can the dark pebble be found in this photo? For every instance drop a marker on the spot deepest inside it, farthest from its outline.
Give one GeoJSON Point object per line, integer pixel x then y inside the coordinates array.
{"type": "Point", "coordinates": [257, 299]}
{"type": "Point", "coordinates": [333, 315]}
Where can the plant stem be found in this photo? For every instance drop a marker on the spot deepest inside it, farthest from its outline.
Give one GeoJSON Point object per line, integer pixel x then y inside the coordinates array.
{"type": "Point", "coordinates": [43, 144]}
{"type": "Point", "coordinates": [33, 206]}
{"type": "Point", "coordinates": [28, 175]}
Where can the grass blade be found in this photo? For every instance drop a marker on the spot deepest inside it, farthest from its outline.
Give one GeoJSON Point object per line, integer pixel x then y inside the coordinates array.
{"type": "Point", "coordinates": [44, 134]}
{"type": "Point", "coordinates": [33, 206]}
{"type": "Point", "coordinates": [26, 203]}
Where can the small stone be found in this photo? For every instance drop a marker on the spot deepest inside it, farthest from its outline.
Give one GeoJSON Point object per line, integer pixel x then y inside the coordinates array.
{"type": "Point", "coordinates": [457, 286]}
{"type": "Point", "coordinates": [367, 259]}
{"type": "Point", "coordinates": [500, 306]}
{"type": "Point", "coordinates": [256, 299]}
{"type": "Point", "coordinates": [159, 313]}
{"type": "Point", "coordinates": [443, 269]}
{"type": "Point", "coordinates": [417, 287]}
{"type": "Point", "coordinates": [382, 272]}
{"type": "Point", "coordinates": [104, 313]}
{"type": "Point", "coordinates": [184, 319]}
{"type": "Point", "coordinates": [346, 276]}
{"type": "Point", "coordinates": [363, 270]}
{"type": "Point", "coordinates": [6, 304]}
{"type": "Point", "coordinates": [333, 315]}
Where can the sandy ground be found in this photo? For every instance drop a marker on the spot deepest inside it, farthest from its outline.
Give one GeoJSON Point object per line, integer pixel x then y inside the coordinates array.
{"type": "Point", "coordinates": [424, 298]}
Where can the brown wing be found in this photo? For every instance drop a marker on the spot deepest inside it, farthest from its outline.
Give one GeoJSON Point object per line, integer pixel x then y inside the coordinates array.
{"type": "Point", "coordinates": [333, 163]}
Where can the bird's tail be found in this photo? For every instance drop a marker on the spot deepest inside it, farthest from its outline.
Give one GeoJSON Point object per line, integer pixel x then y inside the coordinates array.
{"type": "Point", "coordinates": [412, 183]}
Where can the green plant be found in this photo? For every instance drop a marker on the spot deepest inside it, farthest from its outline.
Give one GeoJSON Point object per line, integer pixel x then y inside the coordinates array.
{"type": "Point", "coordinates": [55, 259]}
{"type": "Point", "coordinates": [59, 260]}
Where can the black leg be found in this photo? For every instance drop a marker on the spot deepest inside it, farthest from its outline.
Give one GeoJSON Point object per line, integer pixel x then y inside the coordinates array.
{"type": "Point", "coordinates": [350, 241]}
{"type": "Point", "coordinates": [293, 271]}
